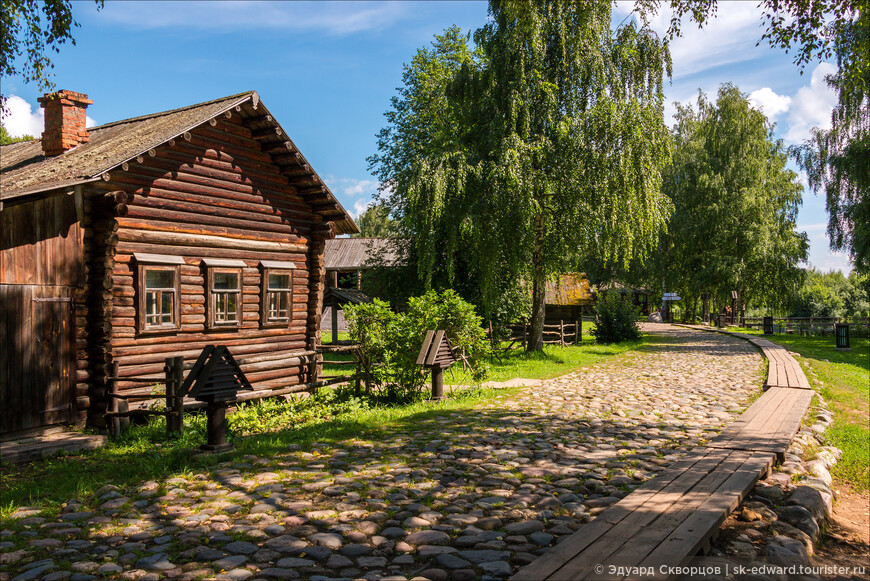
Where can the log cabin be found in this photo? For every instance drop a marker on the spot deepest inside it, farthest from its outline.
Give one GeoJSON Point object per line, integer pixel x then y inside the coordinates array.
{"type": "Point", "coordinates": [127, 243]}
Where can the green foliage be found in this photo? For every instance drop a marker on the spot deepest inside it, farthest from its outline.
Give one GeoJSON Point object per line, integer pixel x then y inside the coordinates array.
{"type": "Point", "coordinates": [837, 160]}
{"type": "Point", "coordinates": [389, 342]}
{"type": "Point", "coordinates": [269, 415]}
{"type": "Point", "coordinates": [458, 319]}
{"type": "Point", "coordinates": [5, 139]}
{"type": "Point", "coordinates": [734, 224]}
{"type": "Point", "coordinates": [31, 29]}
{"type": "Point", "coordinates": [375, 222]}
{"type": "Point", "coordinates": [509, 161]}
{"type": "Point", "coordinates": [831, 295]}
{"type": "Point", "coordinates": [616, 319]}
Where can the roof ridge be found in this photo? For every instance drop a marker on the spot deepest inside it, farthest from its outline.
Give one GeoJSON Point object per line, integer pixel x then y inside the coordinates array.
{"type": "Point", "coordinates": [153, 115]}
{"type": "Point", "coordinates": [171, 111]}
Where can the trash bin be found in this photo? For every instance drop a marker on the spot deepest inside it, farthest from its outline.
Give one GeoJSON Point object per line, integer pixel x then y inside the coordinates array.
{"type": "Point", "coordinates": [768, 325]}
{"type": "Point", "coordinates": [841, 332]}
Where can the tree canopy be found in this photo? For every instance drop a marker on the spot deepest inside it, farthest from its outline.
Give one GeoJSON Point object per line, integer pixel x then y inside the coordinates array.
{"type": "Point", "coordinates": [510, 160]}
{"type": "Point", "coordinates": [375, 222]}
{"type": "Point", "coordinates": [735, 206]}
{"type": "Point", "coordinates": [6, 139]}
{"type": "Point", "coordinates": [32, 29]}
{"type": "Point", "coordinates": [837, 160]}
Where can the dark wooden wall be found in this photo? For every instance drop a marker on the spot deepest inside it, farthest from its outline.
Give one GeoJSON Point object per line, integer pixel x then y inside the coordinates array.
{"type": "Point", "coordinates": [43, 347]}
{"type": "Point", "coordinates": [214, 195]}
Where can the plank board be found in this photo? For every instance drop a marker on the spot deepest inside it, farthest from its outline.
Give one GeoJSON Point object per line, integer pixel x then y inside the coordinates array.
{"type": "Point", "coordinates": [776, 421]}
{"type": "Point", "coordinates": [550, 562]}
{"type": "Point", "coordinates": [670, 522]}
{"type": "Point", "coordinates": [675, 515]}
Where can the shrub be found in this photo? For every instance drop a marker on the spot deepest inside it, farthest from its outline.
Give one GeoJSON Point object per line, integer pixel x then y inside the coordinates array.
{"type": "Point", "coordinates": [389, 342]}
{"type": "Point", "coordinates": [616, 319]}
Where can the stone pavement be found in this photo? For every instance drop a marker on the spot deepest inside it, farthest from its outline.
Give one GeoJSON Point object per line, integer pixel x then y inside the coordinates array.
{"type": "Point", "coordinates": [464, 495]}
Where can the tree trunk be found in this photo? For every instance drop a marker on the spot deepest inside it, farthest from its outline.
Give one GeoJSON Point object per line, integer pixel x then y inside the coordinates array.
{"type": "Point", "coordinates": [539, 283]}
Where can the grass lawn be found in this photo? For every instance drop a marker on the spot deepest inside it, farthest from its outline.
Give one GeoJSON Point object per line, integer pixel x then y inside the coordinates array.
{"type": "Point", "coordinates": [264, 429]}
{"type": "Point", "coordinates": [146, 454]}
{"type": "Point", "coordinates": [552, 362]}
{"type": "Point", "coordinates": [843, 379]}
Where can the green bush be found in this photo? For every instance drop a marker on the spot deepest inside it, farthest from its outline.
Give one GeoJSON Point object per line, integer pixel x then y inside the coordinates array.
{"type": "Point", "coordinates": [389, 342]}
{"type": "Point", "coordinates": [616, 319]}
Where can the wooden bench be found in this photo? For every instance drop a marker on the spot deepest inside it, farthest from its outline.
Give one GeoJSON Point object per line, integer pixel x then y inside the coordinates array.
{"type": "Point", "coordinates": [667, 520]}
{"type": "Point", "coordinates": [678, 513]}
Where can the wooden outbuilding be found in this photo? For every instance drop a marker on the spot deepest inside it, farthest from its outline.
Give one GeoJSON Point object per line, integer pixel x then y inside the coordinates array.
{"type": "Point", "coordinates": [153, 237]}
{"type": "Point", "coordinates": [567, 297]}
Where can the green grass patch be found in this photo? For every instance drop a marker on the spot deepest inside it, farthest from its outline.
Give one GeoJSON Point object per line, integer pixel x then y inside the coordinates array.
{"type": "Point", "coordinates": [145, 453]}
{"type": "Point", "coordinates": [843, 379]}
{"type": "Point", "coordinates": [552, 362]}
{"type": "Point", "coordinates": [274, 429]}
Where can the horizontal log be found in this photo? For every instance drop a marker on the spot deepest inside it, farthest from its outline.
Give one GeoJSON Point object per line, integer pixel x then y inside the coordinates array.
{"type": "Point", "coordinates": [288, 219]}
{"type": "Point", "coordinates": [168, 221]}
{"type": "Point", "coordinates": [148, 364]}
{"type": "Point", "coordinates": [190, 239]}
{"type": "Point", "coordinates": [127, 248]}
{"type": "Point", "coordinates": [179, 163]}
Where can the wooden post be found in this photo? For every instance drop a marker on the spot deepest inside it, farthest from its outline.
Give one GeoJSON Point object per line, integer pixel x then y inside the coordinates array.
{"type": "Point", "coordinates": [578, 331]}
{"type": "Point", "coordinates": [216, 427]}
{"type": "Point", "coordinates": [119, 425]}
{"type": "Point", "coordinates": [174, 370]}
{"type": "Point", "coordinates": [334, 321]}
{"type": "Point", "coordinates": [561, 332]}
{"type": "Point", "coordinates": [437, 383]}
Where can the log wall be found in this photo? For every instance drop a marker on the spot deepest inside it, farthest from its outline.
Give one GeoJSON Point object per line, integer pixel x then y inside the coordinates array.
{"type": "Point", "coordinates": [214, 195]}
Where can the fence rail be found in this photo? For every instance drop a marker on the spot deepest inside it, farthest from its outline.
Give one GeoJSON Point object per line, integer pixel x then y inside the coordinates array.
{"type": "Point", "coordinates": [824, 326]}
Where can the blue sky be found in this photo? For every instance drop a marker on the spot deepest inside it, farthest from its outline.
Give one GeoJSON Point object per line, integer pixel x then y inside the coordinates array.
{"type": "Point", "coordinates": [327, 70]}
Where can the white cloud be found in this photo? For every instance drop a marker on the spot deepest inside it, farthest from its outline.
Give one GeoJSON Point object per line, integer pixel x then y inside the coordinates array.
{"type": "Point", "coordinates": [360, 206]}
{"type": "Point", "coordinates": [822, 258]}
{"type": "Point", "coordinates": [768, 102]}
{"type": "Point", "coordinates": [338, 18]}
{"type": "Point", "coordinates": [811, 106]}
{"type": "Point", "coordinates": [727, 38]}
{"type": "Point", "coordinates": [24, 119]}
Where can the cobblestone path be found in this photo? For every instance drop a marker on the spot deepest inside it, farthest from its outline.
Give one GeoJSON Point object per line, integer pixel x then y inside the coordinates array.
{"type": "Point", "coordinates": [464, 495]}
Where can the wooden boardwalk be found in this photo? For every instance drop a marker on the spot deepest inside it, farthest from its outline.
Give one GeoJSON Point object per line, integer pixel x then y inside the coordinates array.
{"type": "Point", "coordinates": [677, 514]}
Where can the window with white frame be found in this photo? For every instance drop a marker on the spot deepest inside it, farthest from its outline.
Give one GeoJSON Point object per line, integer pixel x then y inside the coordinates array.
{"type": "Point", "coordinates": [277, 296]}
{"type": "Point", "coordinates": [224, 292]}
{"type": "Point", "coordinates": [158, 291]}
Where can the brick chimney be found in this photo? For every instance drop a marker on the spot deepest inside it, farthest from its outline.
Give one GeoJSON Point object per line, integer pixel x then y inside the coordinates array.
{"type": "Point", "coordinates": [64, 121]}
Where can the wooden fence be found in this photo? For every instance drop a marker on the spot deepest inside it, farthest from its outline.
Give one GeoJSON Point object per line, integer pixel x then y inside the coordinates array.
{"type": "Point", "coordinates": [824, 326]}
{"type": "Point", "coordinates": [560, 333]}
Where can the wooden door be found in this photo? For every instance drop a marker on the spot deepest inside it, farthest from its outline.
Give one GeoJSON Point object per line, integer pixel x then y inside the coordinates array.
{"type": "Point", "coordinates": [37, 356]}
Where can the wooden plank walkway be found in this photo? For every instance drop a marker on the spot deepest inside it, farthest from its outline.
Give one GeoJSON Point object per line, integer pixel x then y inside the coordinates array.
{"type": "Point", "coordinates": [677, 514]}
{"type": "Point", "coordinates": [37, 447]}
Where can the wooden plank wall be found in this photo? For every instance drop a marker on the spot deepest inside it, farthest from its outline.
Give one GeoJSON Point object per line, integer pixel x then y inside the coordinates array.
{"type": "Point", "coordinates": [216, 195]}
{"type": "Point", "coordinates": [41, 254]}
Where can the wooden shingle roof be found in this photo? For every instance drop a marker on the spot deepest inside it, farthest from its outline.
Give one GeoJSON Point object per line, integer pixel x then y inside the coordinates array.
{"type": "Point", "coordinates": [24, 170]}
{"type": "Point", "coordinates": [353, 253]}
{"type": "Point", "coordinates": [571, 288]}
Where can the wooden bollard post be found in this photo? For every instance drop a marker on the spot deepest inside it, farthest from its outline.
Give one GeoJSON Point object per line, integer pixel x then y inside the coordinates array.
{"type": "Point", "coordinates": [174, 369]}
{"type": "Point", "coordinates": [578, 332]}
{"type": "Point", "coordinates": [119, 425]}
{"type": "Point", "coordinates": [437, 382]}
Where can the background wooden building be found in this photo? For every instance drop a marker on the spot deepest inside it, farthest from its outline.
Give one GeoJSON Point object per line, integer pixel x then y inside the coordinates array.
{"type": "Point", "coordinates": [153, 237]}
{"type": "Point", "coordinates": [567, 297]}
